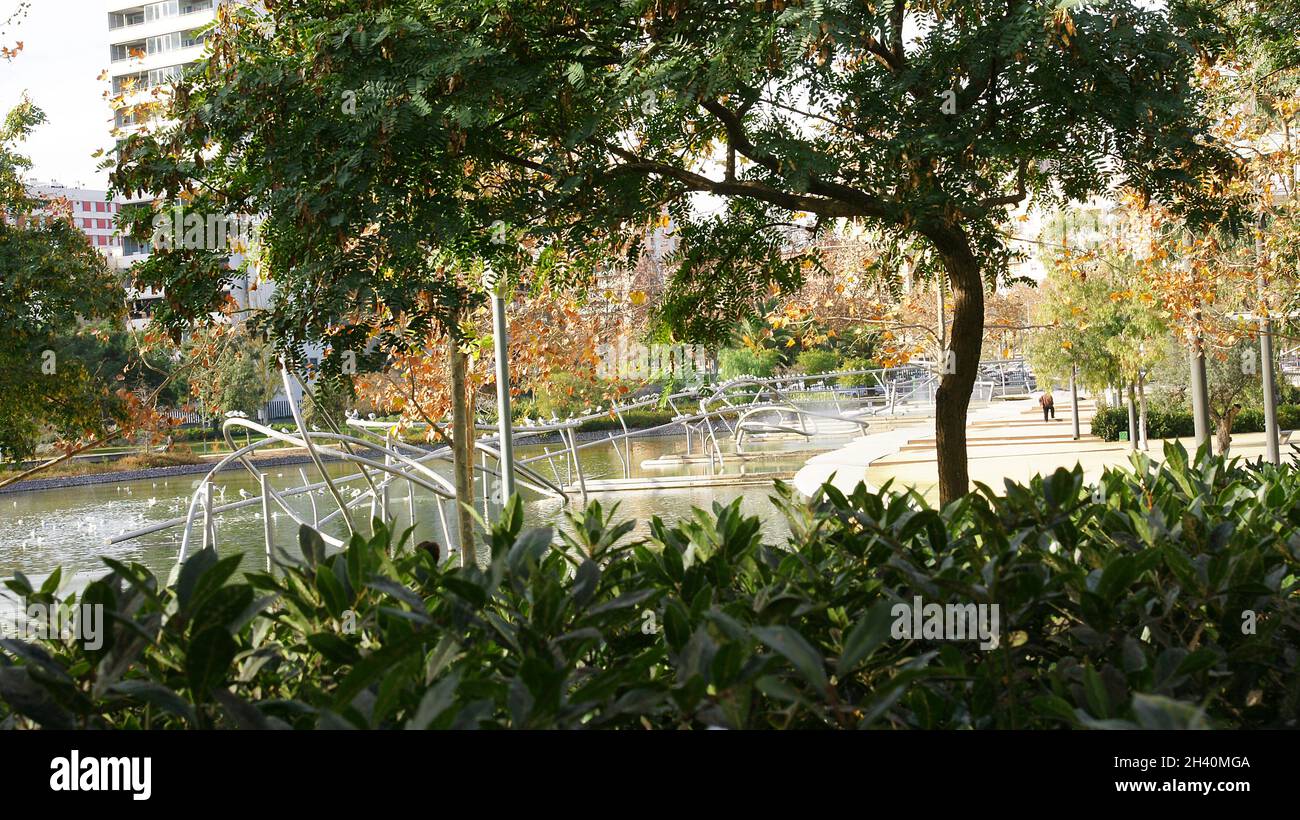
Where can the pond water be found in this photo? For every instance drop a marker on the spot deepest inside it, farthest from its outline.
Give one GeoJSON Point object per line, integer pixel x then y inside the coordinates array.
{"type": "Point", "coordinates": [69, 527]}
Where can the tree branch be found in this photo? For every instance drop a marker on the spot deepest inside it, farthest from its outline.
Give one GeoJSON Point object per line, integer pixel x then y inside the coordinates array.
{"type": "Point", "coordinates": [1010, 199]}
{"type": "Point", "coordinates": [697, 182]}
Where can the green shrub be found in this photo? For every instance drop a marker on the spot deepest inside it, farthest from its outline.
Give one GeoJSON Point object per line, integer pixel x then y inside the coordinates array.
{"type": "Point", "coordinates": [1108, 422]}
{"type": "Point", "coordinates": [1288, 416]}
{"type": "Point", "coordinates": [638, 419]}
{"type": "Point", "coordinates": [1249, 420]}
{"type": "Point", "coordinates": [1168, 423]}
{"type": "Point", "coordinates": [571, 394]}
{"type": "Point", "coordinates": [861, 379]}
{"type": "Point", "coordinates": [816, 361]}
{"type": "Point", "coordinates": [1178, 423]}
{"type": "Point", "coordinates": [745, 361]}
{"type": "Point", "coordinates": [1163, 596]}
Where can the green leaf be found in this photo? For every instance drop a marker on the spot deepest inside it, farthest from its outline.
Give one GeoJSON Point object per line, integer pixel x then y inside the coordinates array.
{"type": "Point", "coordinates": [334, 647]}
{"type": "Point", "coordinates": [207, 660]}
{"type": "Point", "coordinates": [796, 649]}
{"type": "Point", "coordinates": [437, 700]}
{"type": "Point", "coordinates": [871, 630]}
{"type": "Point", "coordinates": [157, 695]}
{"type": "Point", "coordinates": [1159, 712]}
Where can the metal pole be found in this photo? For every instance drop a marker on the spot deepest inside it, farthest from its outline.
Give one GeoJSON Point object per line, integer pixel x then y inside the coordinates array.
{"type": "Point", "coordinates": [1132, 419]}
{"type": "Point", "coordinates": [311, 496]}
{"type": "Point", "coordinates": [501, 343]}
{"type": "Point", "coordinates": [1074, 399]}
{"type": "Point", "coordinates": [1142, 409]}
{"type": "Point", "coordinates": [410, 502]}
{"type": "Point", "coordinates": [266, 516]}
{"type": "Point", "coordinates": [209, 527]}
{"type": "Point", "coordinates": [1200, 392]}
{"type": "Point", "coordinates": [1272, 452]}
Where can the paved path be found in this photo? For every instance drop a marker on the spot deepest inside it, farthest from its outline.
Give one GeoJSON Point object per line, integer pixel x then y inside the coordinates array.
{"type": "Point", "coordinates": [1007, 440]}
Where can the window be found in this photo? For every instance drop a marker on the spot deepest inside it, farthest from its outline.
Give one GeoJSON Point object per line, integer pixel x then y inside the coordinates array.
{"type": "Point", "coordinates": [99, 206]}
{"type": "Point", "coordinates": [122, 19]}
{"type": "Point", "coordinates": [161, 11]}
{"type": "Point", "coordinates": [164, 76]}
{"type": "Point", "coordinates": [163, 43]}
{"type": "Point", "coordinates": [129, 51]}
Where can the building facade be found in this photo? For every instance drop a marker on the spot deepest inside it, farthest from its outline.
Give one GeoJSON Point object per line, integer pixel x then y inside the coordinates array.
{"type": "Point", "coordinates": [93, 213]}
{"type": "Point", "coordinates": [149, 46]}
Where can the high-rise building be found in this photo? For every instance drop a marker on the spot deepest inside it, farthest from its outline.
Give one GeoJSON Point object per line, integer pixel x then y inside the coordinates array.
{"type": "Point", "coordinates": [149, 44]}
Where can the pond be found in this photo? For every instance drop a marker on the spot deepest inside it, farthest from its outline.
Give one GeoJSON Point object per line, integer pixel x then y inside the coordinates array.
{"type": "Point", "coordinates": [69, 527]}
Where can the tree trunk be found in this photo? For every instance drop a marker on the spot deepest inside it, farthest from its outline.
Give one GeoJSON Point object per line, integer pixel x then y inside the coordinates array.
{"type": "Point", "coordinates": [961, 365]}
{"type": "Point", "coordinates": [462, 434]}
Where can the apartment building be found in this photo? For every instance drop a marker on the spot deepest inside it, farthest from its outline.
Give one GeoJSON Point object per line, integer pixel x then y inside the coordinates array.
{"type": "Point", "coordinates": [93, 213]}
{"type": "Point", "coordinates": [149, 46]}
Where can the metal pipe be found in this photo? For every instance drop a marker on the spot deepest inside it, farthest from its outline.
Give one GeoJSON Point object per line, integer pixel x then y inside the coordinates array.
{"type": "Point", "coordinates": [1074, 399]}
{"type": "Point", "coordinates": [266, 517]}
{"type": "Point", "coordinates": [209, 529]}
{"type": "Point", "coordinates": [501, 340]}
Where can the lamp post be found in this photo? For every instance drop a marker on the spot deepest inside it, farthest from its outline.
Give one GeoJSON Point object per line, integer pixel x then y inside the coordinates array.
{"type": "Point", "coordinates": [1272, 452]}
{"type": "Point", "coordinates": [1142, 396]}
{"type": "Point", "coordinates": [1074, 398]}
{"type": "Point", "coordinates": [1200, 390]}
{"type": "Point", "coordinates": [497, 288]}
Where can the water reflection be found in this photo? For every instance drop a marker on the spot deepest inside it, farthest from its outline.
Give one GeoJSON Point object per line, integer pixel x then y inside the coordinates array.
{"type": "Point", "coordinates": [70, 527]}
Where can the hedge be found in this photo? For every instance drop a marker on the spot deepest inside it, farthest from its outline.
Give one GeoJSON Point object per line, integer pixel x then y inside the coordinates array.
{"type": "Point", "coordinates": [1108, 423]}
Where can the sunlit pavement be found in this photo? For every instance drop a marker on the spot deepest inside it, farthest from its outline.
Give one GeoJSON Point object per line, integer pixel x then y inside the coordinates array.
{"type": "Point", "coordinates": [1008, 441]}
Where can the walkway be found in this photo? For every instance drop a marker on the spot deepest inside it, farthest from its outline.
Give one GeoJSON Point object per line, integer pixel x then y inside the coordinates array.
{"type": "Point", "coordinates": [1008, 440]}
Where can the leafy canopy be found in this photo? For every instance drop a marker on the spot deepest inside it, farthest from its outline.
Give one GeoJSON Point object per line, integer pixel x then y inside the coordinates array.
{"type": "Point", "coordinates": [51, 282]}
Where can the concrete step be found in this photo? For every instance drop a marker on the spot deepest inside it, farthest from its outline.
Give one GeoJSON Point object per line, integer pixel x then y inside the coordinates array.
{"type": "Point", "coordinates": [927, 457]}
{"type": "Point", "coordinates": [917, 445]}
{"type": "Point", "coordinates": [1028, 422]}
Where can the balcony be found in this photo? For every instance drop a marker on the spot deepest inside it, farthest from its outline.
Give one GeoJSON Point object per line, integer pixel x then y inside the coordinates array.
{"type": "Point", "coordinates": [152, 12]}
{"type": "Point", "coordinates": [175, 48]}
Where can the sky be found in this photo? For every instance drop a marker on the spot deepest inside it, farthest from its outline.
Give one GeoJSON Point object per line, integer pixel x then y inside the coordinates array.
{"type": "Point", "coordinates": [65, 47]}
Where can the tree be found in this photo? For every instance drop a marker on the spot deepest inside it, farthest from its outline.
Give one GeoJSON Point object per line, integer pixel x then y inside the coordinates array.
{"type": "Point", "coordinates": [584, 121]}
{"type": "Point", "coordinates": [374, 223]}
{"type": "Point", "coordinates": [795, 115]}
{"type": "Point", "coordinates": [52, 285]}
{"type": "Point", "coordinates": [552, 344]}
{"type": "Point", "coordinates": [239, 371]}
{"type": "Point", "coordinates": [1098, 320]}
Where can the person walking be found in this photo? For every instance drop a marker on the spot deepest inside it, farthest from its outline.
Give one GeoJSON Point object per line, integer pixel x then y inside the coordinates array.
{"type": "Point", "coordinates": [1048, 404]}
